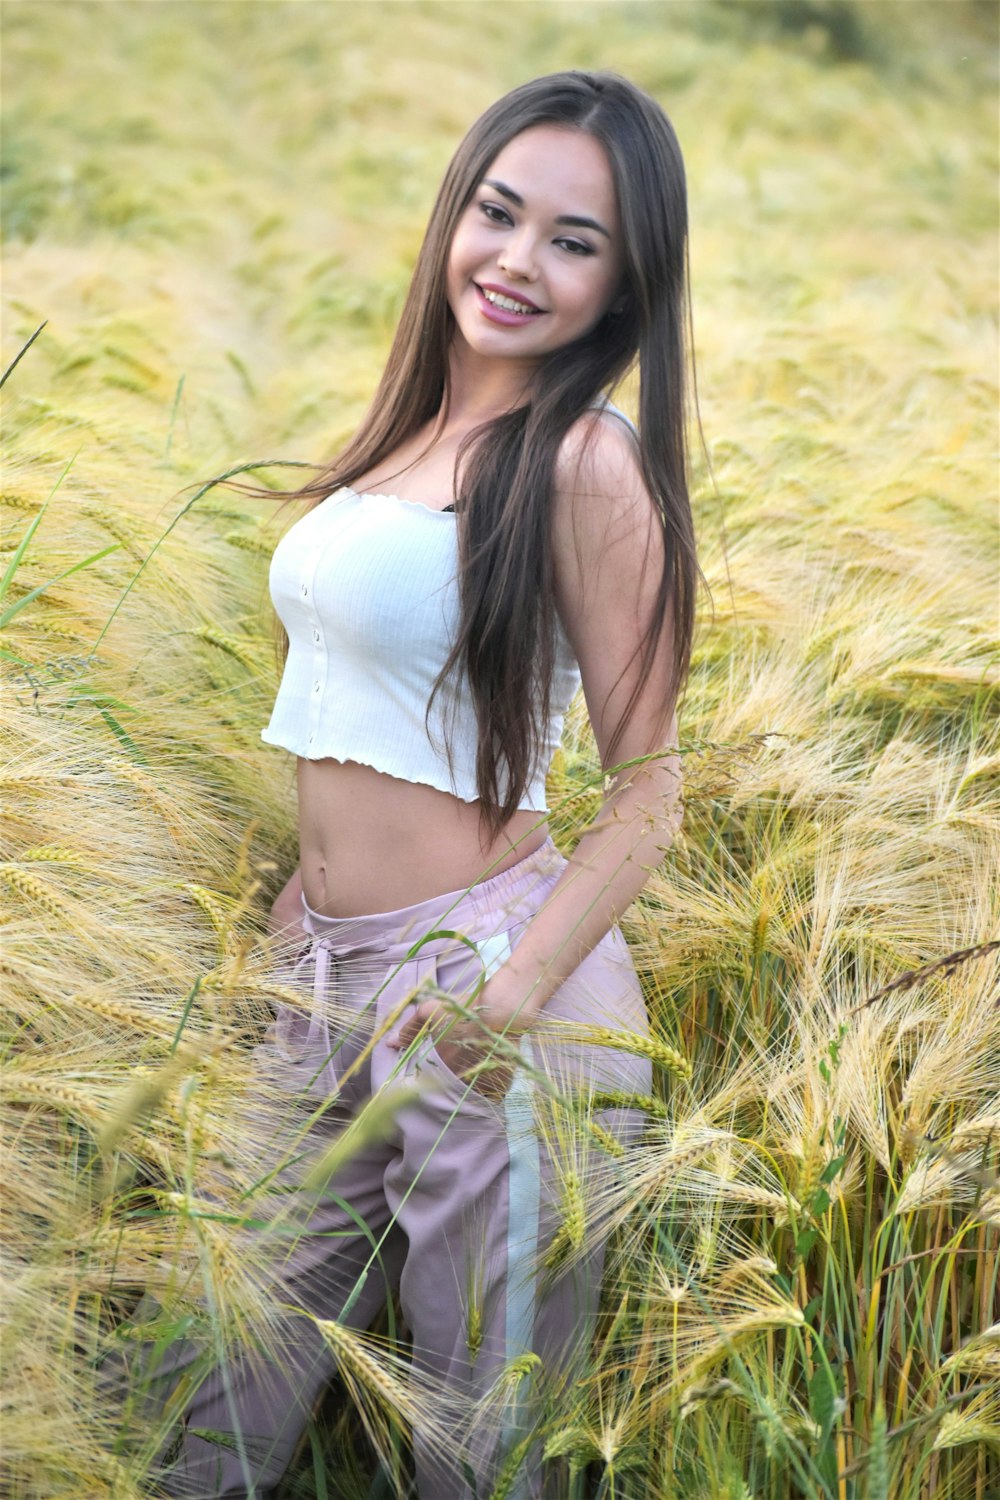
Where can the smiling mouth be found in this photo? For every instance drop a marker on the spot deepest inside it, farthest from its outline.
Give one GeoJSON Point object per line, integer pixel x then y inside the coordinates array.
{"type": "Point", "coordinates": [507, 304]}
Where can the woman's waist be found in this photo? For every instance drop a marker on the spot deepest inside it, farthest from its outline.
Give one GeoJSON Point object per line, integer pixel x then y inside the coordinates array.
{"type": "Point", "coordinates": [502, 901]}
{"type": "Point", "coordinates": [374, 844]}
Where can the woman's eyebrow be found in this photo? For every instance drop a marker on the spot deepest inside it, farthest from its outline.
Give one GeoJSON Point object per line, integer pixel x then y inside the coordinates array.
{"type": "Point", "coordinates": [579, 221]}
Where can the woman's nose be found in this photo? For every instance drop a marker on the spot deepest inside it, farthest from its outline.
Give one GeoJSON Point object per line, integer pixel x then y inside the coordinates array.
{"type": "Point", "coordinates": [517, 258]}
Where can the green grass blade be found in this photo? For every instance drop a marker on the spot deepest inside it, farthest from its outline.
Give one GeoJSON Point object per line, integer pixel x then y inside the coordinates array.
{"type": "Point", "coordinates": [203, 490]}
{"type": "Point", "coordinates": [12, 566]}
{"type": "Point", "coordinates": [878, 1456]}
{"type": "Point", "coordinates": [9, 613]}
{"type": "Point", "coordinates": [319, 1470]}
{"type": "Point", "coordinates": [124, 738]}
{"type": "Point", "coordinates": [21, 353]}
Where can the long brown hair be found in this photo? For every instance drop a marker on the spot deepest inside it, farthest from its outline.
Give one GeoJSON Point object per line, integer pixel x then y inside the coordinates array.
{"type": "Point", "coordinates": [505, 641]}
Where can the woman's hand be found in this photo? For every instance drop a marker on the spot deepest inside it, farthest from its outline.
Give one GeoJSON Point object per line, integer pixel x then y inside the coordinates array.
{"type": "Point", "coordinates": [473, 1039]}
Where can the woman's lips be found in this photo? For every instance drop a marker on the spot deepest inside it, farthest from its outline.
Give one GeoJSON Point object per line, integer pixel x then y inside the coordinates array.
{"type": "Point", "coordinates": [502, 315]}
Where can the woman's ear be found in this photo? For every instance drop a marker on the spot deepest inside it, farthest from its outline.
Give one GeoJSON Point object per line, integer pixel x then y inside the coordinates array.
{"type": "Point", "coordinates": [620, 302]}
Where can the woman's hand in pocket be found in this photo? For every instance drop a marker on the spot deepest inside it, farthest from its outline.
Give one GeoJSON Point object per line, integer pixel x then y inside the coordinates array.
{"type": "Point", "coordinates": [474, 1039]}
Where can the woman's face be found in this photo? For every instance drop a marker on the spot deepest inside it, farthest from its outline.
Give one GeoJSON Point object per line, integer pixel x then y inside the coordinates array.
{"type": "Point", "coordinates": [541, 232]}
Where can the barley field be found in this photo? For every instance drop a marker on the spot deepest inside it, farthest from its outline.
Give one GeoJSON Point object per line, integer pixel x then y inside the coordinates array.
{"type": "Point", "coordinates": [210, 211]}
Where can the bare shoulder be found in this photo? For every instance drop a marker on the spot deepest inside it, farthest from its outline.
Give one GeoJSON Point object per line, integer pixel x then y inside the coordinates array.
{"type": "Point", "coordinates": [600, 498]}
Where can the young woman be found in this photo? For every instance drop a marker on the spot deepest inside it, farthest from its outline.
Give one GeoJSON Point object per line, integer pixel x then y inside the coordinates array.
{"type": "Point", "coordinates": [495, 535]}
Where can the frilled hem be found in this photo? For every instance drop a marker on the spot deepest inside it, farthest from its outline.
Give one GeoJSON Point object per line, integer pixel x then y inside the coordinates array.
{"type": "Point", "coordinates": [396, 769]}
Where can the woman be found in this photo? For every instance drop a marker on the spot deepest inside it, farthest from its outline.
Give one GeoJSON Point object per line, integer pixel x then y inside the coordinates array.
{"type": "Point", "coordinates": [494, 535]}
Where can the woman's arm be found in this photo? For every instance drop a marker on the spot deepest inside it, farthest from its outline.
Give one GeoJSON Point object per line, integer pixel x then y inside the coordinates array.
{"type": "Point", "coordinates": [608, 560]}
{"type": "Point", "coordinates": [285, 917]}
{"type": "Point", "coordinates": [608, 548]}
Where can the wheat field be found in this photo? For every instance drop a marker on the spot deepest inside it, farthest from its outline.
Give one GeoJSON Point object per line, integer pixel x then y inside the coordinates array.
{"type": "Point", "coordinates": [210, 211]}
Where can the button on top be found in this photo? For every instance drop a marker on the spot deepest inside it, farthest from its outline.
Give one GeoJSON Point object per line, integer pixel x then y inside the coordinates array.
{"type": "Point", "coordinates": [305, 589]}
{"type": "Point", "coordinates": [315, 635]}
{"type": "Point", "coordinates": [315, 687]}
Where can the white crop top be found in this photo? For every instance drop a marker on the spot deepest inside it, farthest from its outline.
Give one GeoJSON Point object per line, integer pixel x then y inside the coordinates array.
{"type": "Point", "coordinates": [366, 587]}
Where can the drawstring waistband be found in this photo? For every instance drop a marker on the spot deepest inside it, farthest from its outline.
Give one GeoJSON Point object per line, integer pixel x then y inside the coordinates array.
{"type": "Point", "coordinates": [401, 942]}
{"type": "Point", "coordinates": [392, 934]}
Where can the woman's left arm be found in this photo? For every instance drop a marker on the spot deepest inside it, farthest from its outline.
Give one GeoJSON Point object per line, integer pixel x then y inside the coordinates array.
{"type": "Point", "coordinates": [608, 554]}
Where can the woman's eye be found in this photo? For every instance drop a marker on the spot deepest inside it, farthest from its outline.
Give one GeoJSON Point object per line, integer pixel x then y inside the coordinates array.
{"type": "Point", "coordinates": [494, 212]}
{"type": "Point", "coordinates": [577, 247]}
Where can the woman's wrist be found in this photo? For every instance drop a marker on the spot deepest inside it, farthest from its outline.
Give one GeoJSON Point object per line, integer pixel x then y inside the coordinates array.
{"type": "Point", "coordinates": [505, 1004]}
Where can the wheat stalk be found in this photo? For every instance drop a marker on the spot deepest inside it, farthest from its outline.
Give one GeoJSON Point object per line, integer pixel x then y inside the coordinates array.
{"type": "Point", "coordinates": [46, 1091]}
{"type": "Point", "coordinates": [128, 1015]}
{"type": "Point", "coordinates": [510, 1469]}
{"type": "Point", "coordinates": [984, 1130]}
{"type": "Point", "coordinates": [116, 526]}
{"type": "Point", "coordinates": [621, 1040]}
{"type": "Point", "coordinates": [401, 1392]}
{"type": "Point", "coordinates": [977, 1422]}
{"type": "Point", "coordinates": [610, 1142]}
{"type": "Point", "coordinates": [212, 904]}
{"type": "Point", "coordinates": [619, 1099]}
{"type": "Point", "coordinates": [34, 890]}
{"type": "Point", "coordinates": [260, 545]}
{"type": "Point", "coordinates": [54, 854]}
{"type": "Point", "coordinates": [573, 1226]}
{"type": "Point", "coordinates": [228, 644]}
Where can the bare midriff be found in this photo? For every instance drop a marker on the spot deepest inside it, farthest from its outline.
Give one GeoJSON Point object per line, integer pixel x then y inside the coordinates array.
{"type": "Point", "coordinates": [372, 843]}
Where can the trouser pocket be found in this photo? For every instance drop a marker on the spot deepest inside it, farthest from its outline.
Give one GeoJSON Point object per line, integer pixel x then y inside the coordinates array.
{"type": "Point", "coordinates": [602, 997]}
{"type": "Point", "coordinates": [460, 972]}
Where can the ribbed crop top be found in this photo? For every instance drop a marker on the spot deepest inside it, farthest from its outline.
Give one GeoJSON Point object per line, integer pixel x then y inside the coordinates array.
{"type": "Point", "coordinates": [366, 587]}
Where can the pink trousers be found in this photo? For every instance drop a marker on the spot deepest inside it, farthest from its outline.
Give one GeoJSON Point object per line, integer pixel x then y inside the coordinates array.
{"type": "Point", "coordinates": [456, 1206]}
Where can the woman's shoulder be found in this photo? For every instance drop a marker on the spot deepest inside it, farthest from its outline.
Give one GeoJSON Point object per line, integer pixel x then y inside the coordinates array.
{"type": "Point", "coordinates": [599, 458]}
{"type": "Point", "coordinates": [605, 407]}
{"type": "Point", "coordinates": [607, 539]}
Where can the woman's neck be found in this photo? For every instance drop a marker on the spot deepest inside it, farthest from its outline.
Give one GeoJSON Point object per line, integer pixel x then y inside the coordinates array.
{"type": "Point", "coordinates": [478, 390]}
{"type": "Point", "coordinates": [481, 388]}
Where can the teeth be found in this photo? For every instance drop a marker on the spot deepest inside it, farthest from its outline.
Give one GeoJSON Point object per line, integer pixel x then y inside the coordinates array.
{"type": "Point", "coordinates": [507, 302]}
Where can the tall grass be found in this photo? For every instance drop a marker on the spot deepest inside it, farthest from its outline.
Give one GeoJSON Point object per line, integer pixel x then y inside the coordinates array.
{"type": "Point", "coordinates": [216, 216]}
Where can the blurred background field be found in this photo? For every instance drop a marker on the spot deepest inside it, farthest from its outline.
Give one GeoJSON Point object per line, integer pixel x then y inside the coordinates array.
{"type": "Point", "coordinates": [214, 208]}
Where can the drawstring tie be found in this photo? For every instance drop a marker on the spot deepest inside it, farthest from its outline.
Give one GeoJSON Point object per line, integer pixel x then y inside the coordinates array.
{"type": "Point", "coordinates": [407, 977]}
